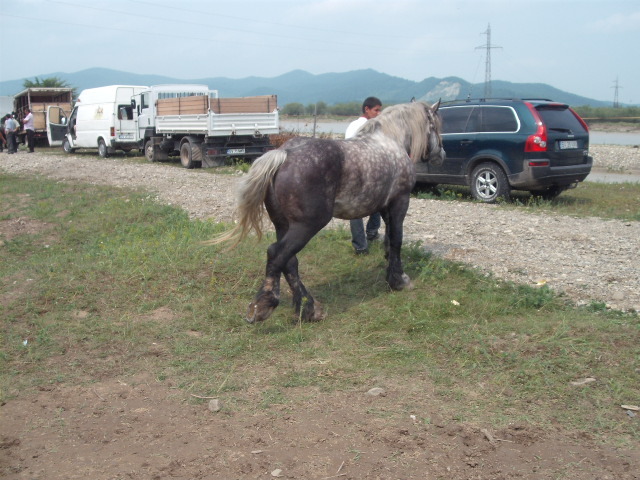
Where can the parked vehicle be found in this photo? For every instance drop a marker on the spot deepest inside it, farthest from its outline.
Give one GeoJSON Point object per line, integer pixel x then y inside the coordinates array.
{"type": "Point", "coordinates": [40, 100]}
{"type": "Point", "coordinates": [103, 118]}
{"type": "Point", "coordinates": [498, 145]}
{"type": "Point", "coordinates": [193, 122]}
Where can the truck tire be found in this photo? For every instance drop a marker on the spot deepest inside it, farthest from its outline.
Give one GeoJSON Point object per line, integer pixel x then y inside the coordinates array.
{"type": "Point", "coordinates": [103, 151]}
{"type": "Point", "coordinates": [190, 155]}
{"type": "Point", "coordinates": [148, 150]}
{"type": "Point", "coordinates": [66, 146]}
{"type": "Point", "coordinates": [489, 182]}
{"type": "Point", "coordinates": [186, 159]}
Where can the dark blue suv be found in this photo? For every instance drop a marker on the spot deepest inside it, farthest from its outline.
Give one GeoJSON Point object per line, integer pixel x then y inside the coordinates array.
{"type": "Point", "coordinates": [498, 145]}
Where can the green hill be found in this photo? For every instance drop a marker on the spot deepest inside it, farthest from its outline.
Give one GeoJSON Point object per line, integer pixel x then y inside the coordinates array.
{"type": "Point", "coordinates": [331, 88]}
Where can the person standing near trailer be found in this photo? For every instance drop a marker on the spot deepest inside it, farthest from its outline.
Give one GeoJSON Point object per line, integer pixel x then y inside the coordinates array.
{"type": "Point", "coordinates": [27, 123]}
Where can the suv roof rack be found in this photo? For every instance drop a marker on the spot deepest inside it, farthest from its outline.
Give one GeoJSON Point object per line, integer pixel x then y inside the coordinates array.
{"type": "Point", "coordinates": [491, 99]}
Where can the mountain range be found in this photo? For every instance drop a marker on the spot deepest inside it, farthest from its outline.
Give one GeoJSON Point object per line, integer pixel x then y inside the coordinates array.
{"type": "Point", "coordinates": [331, 88]}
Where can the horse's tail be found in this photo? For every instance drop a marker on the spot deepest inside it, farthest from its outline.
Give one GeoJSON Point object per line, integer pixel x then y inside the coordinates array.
{"type": "Point", "coordinates": [250, 197]}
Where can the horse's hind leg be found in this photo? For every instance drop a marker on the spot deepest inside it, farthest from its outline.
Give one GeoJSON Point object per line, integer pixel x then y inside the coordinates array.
{"type": "Point", "coordinates": [305, 306]}
{"type": "Point", "coordinates": [281, 258]}
{"type": "Point", "coordinates": [268, 297]}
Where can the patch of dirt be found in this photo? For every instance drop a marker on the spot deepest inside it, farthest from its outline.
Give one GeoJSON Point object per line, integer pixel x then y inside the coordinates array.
{"type": "Point", "coordinates": [138, 428]}
{"type": "Point", "coordinates": [13, 227]}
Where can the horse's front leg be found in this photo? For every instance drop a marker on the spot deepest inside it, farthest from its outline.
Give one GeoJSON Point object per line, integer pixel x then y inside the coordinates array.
{"type": "Point", "coordinates": [394, 218]}
{"type": "Point", "coordinates": [305, 306]}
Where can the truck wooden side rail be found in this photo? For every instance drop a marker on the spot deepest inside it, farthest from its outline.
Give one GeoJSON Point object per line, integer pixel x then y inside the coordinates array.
{"type": "Point", "coordinates": [205, 129]}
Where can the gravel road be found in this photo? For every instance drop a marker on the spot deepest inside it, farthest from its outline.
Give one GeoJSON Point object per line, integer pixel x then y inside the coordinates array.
{"type": "Point", "coordinates": [589, 259]}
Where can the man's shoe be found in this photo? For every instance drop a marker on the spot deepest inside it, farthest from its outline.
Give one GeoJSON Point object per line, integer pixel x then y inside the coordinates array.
{"type": "Point", "coordinates": [364, 251]}
{"type": "Point", "coordinates": [372, 236]}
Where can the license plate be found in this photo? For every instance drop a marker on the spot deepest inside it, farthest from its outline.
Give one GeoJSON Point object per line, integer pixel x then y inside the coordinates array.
{"type": "Point", "coordinates": [125, 136]}
{"type": "Point", "coordinates": [235, 151]}
{"type": "Point", "coordinates": [566, 144]}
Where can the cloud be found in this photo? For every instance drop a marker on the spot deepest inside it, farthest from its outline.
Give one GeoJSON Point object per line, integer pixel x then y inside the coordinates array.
{"type": "Point", "coordinates": [619, 23]}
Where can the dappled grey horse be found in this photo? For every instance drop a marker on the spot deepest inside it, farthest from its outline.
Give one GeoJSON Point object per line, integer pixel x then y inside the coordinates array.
{"type": "Point", "coordinates": [307, 181]}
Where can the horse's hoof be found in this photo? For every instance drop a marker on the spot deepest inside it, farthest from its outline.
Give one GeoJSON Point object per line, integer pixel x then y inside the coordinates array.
{"type": "Point", "coordinates": [318, 314]}
{"type": "Point", "coordinates": [256, 315]}
{"type": "Point", "coordinates": [404, 283]}
{"type": "Point", "coordinates": [313, 314]}
{"type": "Point", "coordinates": [408, 284]}
{"type": "Point", "coordinates": [251, 313]}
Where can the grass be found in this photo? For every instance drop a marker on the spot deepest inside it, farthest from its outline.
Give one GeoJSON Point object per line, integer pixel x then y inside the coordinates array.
{"type": "Point", "coordinates": [590, 199]}
{"type": "Point", "coordinates": [106, 283]}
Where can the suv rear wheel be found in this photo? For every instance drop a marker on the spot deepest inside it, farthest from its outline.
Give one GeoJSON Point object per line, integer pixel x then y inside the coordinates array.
{"type": "Point", "coordinates": [489, 182]}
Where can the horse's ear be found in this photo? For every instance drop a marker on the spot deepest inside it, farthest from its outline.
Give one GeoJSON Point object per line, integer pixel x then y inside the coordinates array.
{"type": "Point", "coordinates": [436, 106]}
{"type": "Point", "coordinates": [413, 99]}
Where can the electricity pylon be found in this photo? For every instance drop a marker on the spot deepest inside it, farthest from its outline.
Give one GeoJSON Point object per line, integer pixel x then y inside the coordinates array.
{"type": "Point", "coordinates": [616, 104]}
{"type": "Point", "coordinates": [487, 68]}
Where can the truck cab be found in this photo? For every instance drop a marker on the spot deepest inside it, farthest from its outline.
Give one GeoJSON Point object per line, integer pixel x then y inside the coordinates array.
{"type": "Point", "coordinates": [145, 108]}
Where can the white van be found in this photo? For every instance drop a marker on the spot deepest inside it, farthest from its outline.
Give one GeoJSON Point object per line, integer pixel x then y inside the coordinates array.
{"type": "Point", "coordinates": [103, 118]}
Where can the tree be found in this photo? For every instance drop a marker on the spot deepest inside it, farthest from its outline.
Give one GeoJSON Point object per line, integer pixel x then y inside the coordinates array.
{"type": "Point", "coordinates": [51, 82]}
{"type": "Point", "coordinates": [293, 109]}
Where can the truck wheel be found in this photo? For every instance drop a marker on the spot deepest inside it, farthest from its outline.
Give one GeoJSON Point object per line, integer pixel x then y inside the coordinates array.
{"type": "Point", "coordinates": [102, 149]}
{"type": "Point", "coordinates": [187, 156]}
{"type": "Point", "coordinates": [148, 151]}
{"type": "Point", "coordinates": [66, 146]}
{"type": "Point", "coordinates": [488, 183]}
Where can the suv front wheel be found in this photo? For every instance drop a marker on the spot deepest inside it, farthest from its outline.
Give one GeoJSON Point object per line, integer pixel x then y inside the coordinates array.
{"type": "Point", "coordinates": [489, 182]}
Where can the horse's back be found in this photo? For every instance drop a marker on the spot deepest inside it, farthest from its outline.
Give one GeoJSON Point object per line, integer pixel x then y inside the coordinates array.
{"type": "Point", "coordinates": [353, 178]}
{"type": "Point", "coordinates": [306, 183]}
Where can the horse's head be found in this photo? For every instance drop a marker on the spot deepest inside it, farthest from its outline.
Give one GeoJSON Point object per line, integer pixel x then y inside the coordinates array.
{"type": "Point", "coordinates": [415, 125]}
{"type": "Point", "coordinates": [434, 152]}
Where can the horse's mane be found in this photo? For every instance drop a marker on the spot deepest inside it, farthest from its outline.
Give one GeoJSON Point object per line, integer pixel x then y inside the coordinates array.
{"type": "Point", "coordinates": [408, 123]}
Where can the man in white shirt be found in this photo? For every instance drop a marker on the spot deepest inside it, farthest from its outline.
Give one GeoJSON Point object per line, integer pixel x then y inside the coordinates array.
{"type": "Point", "coordinates": [27, 122]}
{"type": "Point", "coordinates": [371, 108]}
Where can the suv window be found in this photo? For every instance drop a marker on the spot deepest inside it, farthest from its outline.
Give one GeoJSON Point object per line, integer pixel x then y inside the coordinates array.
{"type": "Point", "coordinates": [456, 119]}
{"type": "Point", "coordinates": [478, 119]}
{"type": "Point", "coordinates": [498, 119]}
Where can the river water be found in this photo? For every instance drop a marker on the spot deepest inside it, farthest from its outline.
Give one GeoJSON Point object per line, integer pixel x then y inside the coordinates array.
{"type": "Point", "coordinates": [613, 138]}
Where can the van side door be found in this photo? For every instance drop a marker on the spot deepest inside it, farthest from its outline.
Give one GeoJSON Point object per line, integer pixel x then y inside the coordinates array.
{"type": "Point", "coordinates": [56, 125]}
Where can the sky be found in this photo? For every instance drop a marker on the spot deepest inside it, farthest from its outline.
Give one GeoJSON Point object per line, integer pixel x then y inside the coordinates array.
{"type": "Point", "coordinates": [585, 47]}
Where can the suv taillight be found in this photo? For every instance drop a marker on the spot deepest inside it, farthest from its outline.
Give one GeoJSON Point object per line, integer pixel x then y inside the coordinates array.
{"type": "Point", "coordinates": [538, 141]}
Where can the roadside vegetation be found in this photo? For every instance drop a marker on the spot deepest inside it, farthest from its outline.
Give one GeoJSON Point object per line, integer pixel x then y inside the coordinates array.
{"type": "Point", "coordinates": [609, 114]}
{"type": "Point", "coordinates": [590, 199]}
{"type": "Point", "coordinates": [98, 282]}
